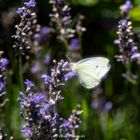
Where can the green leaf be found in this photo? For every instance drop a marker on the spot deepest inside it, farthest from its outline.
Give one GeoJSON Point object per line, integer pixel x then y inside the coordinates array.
{"type": "Point", "coordinates": [85, 2]}
{"type": "Point", "coordinates": [135, 13]}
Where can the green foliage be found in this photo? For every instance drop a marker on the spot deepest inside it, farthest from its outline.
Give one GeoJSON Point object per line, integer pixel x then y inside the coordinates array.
{"type": "Point", "coordinates": [85, 2]}
{"type": "Point", "coordinates": [135, 13]}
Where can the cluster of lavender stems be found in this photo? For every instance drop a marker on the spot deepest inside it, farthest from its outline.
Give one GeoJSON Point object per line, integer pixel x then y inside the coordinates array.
{"type": "Point", "coordinates": [128, 47]}
{"type": "Point", "coordinates": [38, 107]}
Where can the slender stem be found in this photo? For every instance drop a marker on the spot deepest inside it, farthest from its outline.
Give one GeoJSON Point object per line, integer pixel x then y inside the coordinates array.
{"type": "Point", "coordinates": [80, 39]}
{"type": "Point", "coordinates": [66, 43]}
{"type": "Point", "coordinates": [20, 72]}
{"type": "Point", "coordinates": [129, 75]}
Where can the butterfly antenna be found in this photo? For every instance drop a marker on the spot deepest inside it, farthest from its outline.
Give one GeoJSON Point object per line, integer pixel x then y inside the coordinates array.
{"type": "Point", "coordinates": [68, 57]}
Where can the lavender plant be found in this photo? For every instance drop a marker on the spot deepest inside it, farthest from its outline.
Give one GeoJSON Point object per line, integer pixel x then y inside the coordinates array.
{"type": "Point", "coordinates": [127, 46]}
{"type": "Point", "coordinates": [26, 29]}
{"type": "Point", "coordinates": [61, 18]}
{"type": "Point", "coordinates": [38, 109]}
{"type": "Point", "coordinates": [61, 21]}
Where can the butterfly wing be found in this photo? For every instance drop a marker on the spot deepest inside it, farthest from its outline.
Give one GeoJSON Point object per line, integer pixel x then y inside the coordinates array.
{"type": "Point", "coordinates": [87, 80]}
{"type": "Point", "coordinates": [90, 71]}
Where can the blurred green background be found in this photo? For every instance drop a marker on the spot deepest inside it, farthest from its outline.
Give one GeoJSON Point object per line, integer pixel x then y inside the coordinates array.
{"type": "Point", "coordinates": [122, 121]}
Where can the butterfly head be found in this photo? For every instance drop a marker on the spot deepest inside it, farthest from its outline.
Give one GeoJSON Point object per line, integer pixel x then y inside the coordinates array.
{"type": "Point", "coordinates": [73, 66]}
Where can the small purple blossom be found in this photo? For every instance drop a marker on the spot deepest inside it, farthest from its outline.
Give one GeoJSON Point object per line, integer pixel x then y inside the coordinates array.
{"type": "Point", "coordinates": [66, 124]}
{"type": "Point", "coordinates": [27, 132]}
{"type": "Point", "coordinates": [74, 44]}
{"type": "Point", "coordinates": [135, 56]}
{"type": "Point", "coordinates": [108, 106]}
{"type": "Point", "coordinates": [29, 84]}
{"type": "Point", "coordinates": [69, 75]}
{"type": "Point", "coordinates": [125, 8]}
{"type": "Point", "coordinates": [43, 35]}
{"type": "Point", "coordinates": [46, 110]}
{"type": "Point", "coordinates": [19, 11]}
{"type": "Point", "coordinates": [35, 68]}
{"type": "Point", "coordinates": [30, 4]}
{"type": "Point", "coordinates": [47, 79]}
{"type": "Point", "coordinates": [47, 58]}
{"type": "Point", "coordinates": [38, 98]}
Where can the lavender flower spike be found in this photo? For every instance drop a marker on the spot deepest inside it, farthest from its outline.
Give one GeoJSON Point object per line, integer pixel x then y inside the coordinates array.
{"type": "Point", "coordinates": [40, 119]}
{"type": "Point", "coordinates": [26, 29]}
{"type": "Point", "coordinates": [3, 64]}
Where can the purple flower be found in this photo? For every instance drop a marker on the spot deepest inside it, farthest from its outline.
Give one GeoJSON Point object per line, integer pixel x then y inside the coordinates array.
{"type": "Point", "coordinates": [126, 7]}
{"type": "Point", "coordinates": [74, 44]}
{"type": "Point", "coordinates": [38, 98]}
{"type": "Point", "coordinates": [28, 84]}
{"type": "Point", "coordinates": [43, 35]}
{"type": "Point", "coordinates": [46, 110]}
{"type": "Point", "coordinates": [47, 79]}
{"type": "Point", "coordinates": [27, 132]}
{"type": "Point", "coordinates": [19, 11]}
{"type": "Point", "coordinates": [135, 56]}
{"type": "Point", "coordinates": [35, 68]}
{"type": "Point", "coordinates": [2, 84]}
{"type": "Point", "coordinates": [30, 4]}
{"type": "Point", "coordinates": [47, 58]}
{"type": "Point", "coordinates": [99, 103]}
{"type": "Point", "coordinates": [66, 124]}
{"type": "Point", "coordinates": [3, 63]}
{"type": "Point", "coordinates": [69, 75]}
{"type": "Point", "coordinates": [107, 106]}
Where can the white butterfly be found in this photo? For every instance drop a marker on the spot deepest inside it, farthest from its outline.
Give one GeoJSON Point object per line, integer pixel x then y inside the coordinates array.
{"type": "Point", "coordinates": [90, 71]}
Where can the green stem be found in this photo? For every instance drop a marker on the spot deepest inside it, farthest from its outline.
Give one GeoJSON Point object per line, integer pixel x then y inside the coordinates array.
{"type": "Point", "coordinates": [80, 39]}
{"type": "Point", "coordinates": [20, 72]}
{"type": "Point", "coordinates": [129, 75]}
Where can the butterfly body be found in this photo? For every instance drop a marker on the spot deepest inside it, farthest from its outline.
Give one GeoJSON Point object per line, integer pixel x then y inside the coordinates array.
{"type": "Point", "coordinates": [90, 71]}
